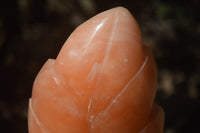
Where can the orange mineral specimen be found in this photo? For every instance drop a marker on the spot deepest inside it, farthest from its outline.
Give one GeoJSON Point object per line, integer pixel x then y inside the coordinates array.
{"type": "Point", "coordinates": [103, 81]}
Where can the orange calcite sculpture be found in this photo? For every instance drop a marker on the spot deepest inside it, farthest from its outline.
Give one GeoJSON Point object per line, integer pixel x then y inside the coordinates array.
{"type": "Point", "coordinates": [103, 81]}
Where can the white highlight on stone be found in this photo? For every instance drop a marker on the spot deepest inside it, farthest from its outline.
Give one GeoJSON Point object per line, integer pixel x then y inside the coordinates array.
{"type": "Point", "coordinates": [89, 105]}
{"type": "Point", "coordinates": [56, 80]}
{"type": "Point", "coordinates": [73, 53]}
{"type": "Point", "coordinates": [61, 63]}
{"type": "Point", "coordinates": [91, 118]}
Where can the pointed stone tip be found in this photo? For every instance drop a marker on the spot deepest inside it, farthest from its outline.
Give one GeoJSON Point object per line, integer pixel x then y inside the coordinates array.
{"type": "Point", "coordinates": [126, 20]}
{"type": "Point", "coordinates": [112, 32]}
{"type": "Point", "coordinates": [123, 15]}
{"type": "Point", "coordinates": [119, 11]}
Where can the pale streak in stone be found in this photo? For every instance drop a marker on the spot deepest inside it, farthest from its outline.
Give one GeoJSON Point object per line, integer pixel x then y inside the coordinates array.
{"type": "Point", "coordinates": [90, 117]}
{"type": "Point", "coordinates": [93, 72]}
{"type": "Point", "coordinates": [89, 106]}
{"type": "Point", "coordinates": [56, 80]}
{"type": "Point", "coordinates": [144, 129]}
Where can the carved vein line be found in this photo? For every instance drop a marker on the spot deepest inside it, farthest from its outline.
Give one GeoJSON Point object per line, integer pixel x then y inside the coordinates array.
{"type": "Point", "coordinates": [123, 90]}
{"type": "Point", "coordinates": [36, 119]}
{"type": "Point", "coordinates": [93, 35]}
{"type": "Point", "coordinates": [106, 57]}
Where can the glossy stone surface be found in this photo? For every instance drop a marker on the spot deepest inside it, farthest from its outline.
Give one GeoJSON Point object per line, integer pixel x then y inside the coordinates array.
{"type": "Point", "coordinates": [103, 81]}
